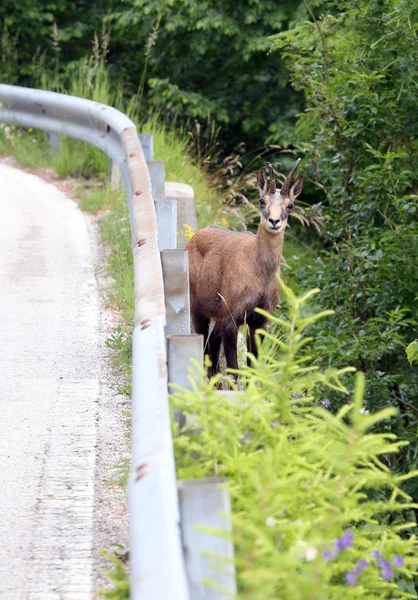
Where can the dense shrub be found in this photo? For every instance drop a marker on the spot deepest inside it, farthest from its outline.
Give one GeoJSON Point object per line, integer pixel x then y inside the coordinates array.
{"type": "Point", "coordinates": [306, 479]}
{"type": "Point", "coordinates": [358, 71]}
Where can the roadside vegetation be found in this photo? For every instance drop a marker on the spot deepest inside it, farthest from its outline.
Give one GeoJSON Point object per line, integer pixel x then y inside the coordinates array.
{"type": "Point", "coordinates": [321, 461]}
{"type": "Point", "coordinates": [316, 511]}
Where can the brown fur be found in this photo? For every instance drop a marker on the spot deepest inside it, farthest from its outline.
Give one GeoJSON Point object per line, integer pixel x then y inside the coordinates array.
{"type": "Point", "coordinates": [232, 274]}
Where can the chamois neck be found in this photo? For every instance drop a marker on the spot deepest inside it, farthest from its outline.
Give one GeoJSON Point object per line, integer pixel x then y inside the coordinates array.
{"type": "Point", "coordinates": [269, 248]}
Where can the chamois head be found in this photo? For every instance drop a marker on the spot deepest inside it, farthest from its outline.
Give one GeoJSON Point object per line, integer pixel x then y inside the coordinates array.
{"type": "Point", "coordinates": [276, 205]}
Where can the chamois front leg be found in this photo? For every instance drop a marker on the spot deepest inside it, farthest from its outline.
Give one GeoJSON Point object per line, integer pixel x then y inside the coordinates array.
{"type": "Point", "coordinates": [230, 339]}
{"type": "Point", "coordinates": [214, 342]}
{"type": "Point", "coordinates": [201, 326]}
{"type": "Point", "coordinates": [255, 321]}
{"type": "Point", "coordinates": [251, 345]}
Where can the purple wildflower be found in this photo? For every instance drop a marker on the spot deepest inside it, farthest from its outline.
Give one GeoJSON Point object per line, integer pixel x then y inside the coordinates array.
{"type": "Point", "coordinates": [397, 561]}
{"type": "Point", "coordinates": [325, 402]}
{"type": "Point", "coordinates": [351, 578]}
{"type": "Point", "coordinates": [376, 554]}
{"type": "Point", "coordinates": [386, 569]}
{"type": "Point", "coordinates": [346, 541]}
{"type": "Point", "coordinates": [362, 564]}
{"type": "Point", "coordinates": [330, 554]}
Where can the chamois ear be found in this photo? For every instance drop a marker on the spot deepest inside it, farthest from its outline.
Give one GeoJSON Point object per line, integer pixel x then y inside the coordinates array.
{"type": "Point", "coordinates": [262, 181]}
{"type": "Point", "coordinates": [296, 188]}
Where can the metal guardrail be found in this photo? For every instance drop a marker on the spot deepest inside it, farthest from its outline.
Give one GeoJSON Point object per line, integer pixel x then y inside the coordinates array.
{"type": "Point", "coordinates": [157, 564]}
{"type": "Point", "coordinates": [165, 550]}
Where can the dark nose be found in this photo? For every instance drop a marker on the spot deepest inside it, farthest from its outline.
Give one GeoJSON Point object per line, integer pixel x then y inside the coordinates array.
{"type": "Point", "coordinates": [274, 222]}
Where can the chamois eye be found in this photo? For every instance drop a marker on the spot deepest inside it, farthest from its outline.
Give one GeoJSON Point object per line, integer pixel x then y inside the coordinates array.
{"type": "Point", "coordinates": [290, 206]}
{"type": "Point", "coordinates": [262, 201]}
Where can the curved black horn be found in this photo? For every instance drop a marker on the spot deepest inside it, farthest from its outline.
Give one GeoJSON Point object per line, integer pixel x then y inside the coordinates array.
{"type": "Point", "coordinates": [288, 181]}
{"type": "Point", "coordinates": [272, 179]}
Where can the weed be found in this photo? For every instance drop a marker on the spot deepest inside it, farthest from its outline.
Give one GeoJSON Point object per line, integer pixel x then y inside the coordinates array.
{"type": "Point", "coordinates": [118, 576]}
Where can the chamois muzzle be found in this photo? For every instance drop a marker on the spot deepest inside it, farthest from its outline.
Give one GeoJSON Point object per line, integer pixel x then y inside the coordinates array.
{"type": "Point", "coordinates": [288, 181]}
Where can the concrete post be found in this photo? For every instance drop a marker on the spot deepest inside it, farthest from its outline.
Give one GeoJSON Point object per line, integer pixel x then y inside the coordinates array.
{"type": "Point", "coordinates": [181, 349]}
{"type": "Point", "coordinates": [147, 143]}
{"type": "Point", "coordinates": [186, 210]}
{"type": "Point", "coordinates": [176, 290]}
{"type": "Point", "coordinates": [207, 556]}
{"type": "Point", "coordinates": [157, 174]}
{"type": "Point", "coordinates": [167, 224]}
{"type": "Point", "coordinates": [54, 142]}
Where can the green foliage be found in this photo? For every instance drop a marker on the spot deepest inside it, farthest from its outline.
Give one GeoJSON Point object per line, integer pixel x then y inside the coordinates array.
{"type": "Point", "coordinates": [98, 198]}
{"type": "Point", "coordinates": [41, 33]}
{"type": "Point", "coordinates": [185, 57]}
{"type": "Point", "coordinates": [299, 475]}
{"type": "Point", "coordinates": [208, 57]}
{"type": "Point", "coordinates": [116, 232]}
{"type": "Point", "coordinates": [358, 71]}
{"type": "Point", "coordinates": [412, 352]}
{"type": "Point", "coordinates": [28, 147]}
{"type": "Point", "coordinates": [118, 576]}
{"type": "Point", "coordinates": [80, 159]}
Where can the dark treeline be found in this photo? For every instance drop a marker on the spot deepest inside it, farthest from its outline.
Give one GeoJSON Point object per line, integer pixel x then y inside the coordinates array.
{"type": "Point", "coordinates": [192, 58]}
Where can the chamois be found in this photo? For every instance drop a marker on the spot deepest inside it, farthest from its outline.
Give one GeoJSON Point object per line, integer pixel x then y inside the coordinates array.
{"type": "Point", "coordinates": [232, 273]}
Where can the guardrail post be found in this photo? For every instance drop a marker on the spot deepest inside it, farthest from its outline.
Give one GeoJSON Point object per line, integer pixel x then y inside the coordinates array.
{"type": "Point", "coordinates": [167, 224]}
{"type": "Point", "coordinates": [166, 209]}
{"type": "Point", "coordinates": [181, 350]}
{"type": "Point", "coordinates": [186, 210]}
{"type": "Point", "coordinates": [54, 142]}
{"type": "Point", "coordinates": [157, 174]}
{"type": "Point", "coordinates": [176, 291]}
{"type": "Point", "coordinates": [115, 175]}
{"type": "Point", "coordinates": [147, 143]}
{"type": "Point", "coordinates": [208, 556]}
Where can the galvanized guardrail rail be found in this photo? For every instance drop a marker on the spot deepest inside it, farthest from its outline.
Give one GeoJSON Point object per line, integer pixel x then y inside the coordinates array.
{"type": "Point", "coordinates": [166, 557]}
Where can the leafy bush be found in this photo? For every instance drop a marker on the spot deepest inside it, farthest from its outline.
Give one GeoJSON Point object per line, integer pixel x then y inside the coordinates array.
{"type": "Point", "coordinates": [305, 478]}
{"type": "Point", "coordinates": [357, 69]}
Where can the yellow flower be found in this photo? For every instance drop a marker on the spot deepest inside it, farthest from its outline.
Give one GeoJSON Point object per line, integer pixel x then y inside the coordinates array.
{"type": "Point", "coordinates": [188, 231]}
{"type": "Point", "coordinates": [224, 222]}
{"type": "Point", "coordinates": [30, 129]}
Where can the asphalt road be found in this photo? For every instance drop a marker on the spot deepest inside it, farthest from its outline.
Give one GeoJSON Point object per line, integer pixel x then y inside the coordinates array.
{"type": "Point", "coordinates": [51, 386]}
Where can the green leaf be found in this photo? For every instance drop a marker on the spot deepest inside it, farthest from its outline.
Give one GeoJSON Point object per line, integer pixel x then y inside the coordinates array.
{"type": "Point", "coordinates": [412, 352]}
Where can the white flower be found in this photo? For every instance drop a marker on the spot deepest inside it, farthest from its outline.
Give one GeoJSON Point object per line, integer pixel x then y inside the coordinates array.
{"type": "Point", "coordinates": [311, 553]}
{"type": "Point", "coordinates": [270, 521]}
{"type": "Point", "coordinates": [304, 551]}
{"type": "Point", "coordinates": [364, 411]}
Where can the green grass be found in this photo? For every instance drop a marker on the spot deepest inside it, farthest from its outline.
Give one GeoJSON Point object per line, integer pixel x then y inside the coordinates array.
{"type": "Point", "coordinates": [79, 159]}
{"type": "Point", "coordinates": [96, 197]}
